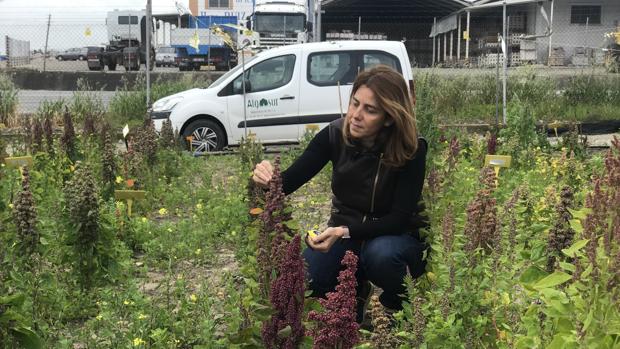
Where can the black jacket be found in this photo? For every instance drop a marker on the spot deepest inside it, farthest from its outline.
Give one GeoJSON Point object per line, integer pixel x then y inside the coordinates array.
{"type": "Point", "coordinates": [369, 197]}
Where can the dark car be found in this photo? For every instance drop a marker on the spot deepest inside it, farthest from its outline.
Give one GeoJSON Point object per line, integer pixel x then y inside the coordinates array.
{"type": "Point", "coordinates": [73, 54]}
{"type": "Point", "coordinates": [93, 59]}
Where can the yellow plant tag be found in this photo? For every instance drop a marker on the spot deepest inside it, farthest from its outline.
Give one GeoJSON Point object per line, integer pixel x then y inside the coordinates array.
{"type": "Point", "coordinates": [129, 196]}
{"type": "Point", "coordinates": [18, 161]}
{"type": "Point", "coordinates": [497, 160]}
{"type": "Point", "coordinates": [312, 127]}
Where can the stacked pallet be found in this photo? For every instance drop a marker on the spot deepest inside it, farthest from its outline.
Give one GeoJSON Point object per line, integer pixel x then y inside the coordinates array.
{"type": "Point", "coordinates": [557, 57]}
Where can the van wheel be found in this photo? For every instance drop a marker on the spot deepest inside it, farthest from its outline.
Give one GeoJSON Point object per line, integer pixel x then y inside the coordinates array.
{"type": "Point", "coordinates": [206, 136]}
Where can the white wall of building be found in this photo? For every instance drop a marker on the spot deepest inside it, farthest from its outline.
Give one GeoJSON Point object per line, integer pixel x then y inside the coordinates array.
{"type": "Point", "coordinates": [569, 36]}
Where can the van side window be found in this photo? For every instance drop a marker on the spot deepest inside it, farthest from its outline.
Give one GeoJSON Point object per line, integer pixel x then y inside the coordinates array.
{"type": "Point", "coordinates": [370, 59]}
{"type": "Point", "coordinates": [268, 75]}
{"type": "Point", "coordinates": [328, 68]}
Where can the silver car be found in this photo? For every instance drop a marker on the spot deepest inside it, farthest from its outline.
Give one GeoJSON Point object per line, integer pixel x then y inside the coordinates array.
{"type": "Point", "coordinates": [165, 56]}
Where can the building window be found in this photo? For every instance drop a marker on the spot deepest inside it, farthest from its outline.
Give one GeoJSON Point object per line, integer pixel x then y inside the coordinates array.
{"type": "Point", "coordinates": [582, 14]}
{"type": "Point", "coordinates": [219, 3]}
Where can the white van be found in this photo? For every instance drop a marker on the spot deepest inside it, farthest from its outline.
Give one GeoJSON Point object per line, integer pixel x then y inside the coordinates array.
{"type": "Point", "coordinates": [287, 88]}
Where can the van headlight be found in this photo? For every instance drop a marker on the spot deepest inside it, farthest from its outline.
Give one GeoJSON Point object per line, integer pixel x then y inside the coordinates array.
{"type": "Point", "coordinates": [166, 104]}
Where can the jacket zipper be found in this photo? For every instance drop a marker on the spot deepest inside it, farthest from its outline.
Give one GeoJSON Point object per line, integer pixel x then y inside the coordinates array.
{"type": "Point", "coordinates": [374, 188]}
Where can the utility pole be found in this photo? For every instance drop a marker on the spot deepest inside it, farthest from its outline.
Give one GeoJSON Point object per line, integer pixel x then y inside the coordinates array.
{"type": "Point", "coordinates": [149, 29]}
{"type": "Point", "coordinates": [49, 19]}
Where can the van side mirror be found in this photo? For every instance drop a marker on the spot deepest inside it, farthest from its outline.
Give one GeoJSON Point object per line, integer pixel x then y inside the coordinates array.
{"type": "Point", "coordinates": [238, 87]}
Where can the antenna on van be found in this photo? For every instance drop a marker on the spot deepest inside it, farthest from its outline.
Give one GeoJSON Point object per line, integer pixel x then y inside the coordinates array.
{"type": "Point", "coordinates": [340, 100]}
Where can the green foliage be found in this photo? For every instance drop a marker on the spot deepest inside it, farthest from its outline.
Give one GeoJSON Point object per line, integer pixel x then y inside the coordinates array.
{"type": "Point", "coordinates": [129, 103]}
{"type": "Point", "coordinates": [519, 137]}
{"type": "Point", "coordinates": [471, 98]}
{"type": "Point", "coordinates": [85, 102]}
{"type": "Point", "coordinates": [8, 99]}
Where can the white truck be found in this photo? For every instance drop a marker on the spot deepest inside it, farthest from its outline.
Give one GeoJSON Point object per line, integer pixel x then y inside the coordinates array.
{"type": "Point", "coordinates": [280, 22]}
{"type": "Point", "coordinates": [286, 88]}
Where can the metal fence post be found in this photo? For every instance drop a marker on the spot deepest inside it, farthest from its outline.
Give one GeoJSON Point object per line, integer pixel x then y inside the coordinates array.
{"type": "Point", "coordinates": [148, 52]}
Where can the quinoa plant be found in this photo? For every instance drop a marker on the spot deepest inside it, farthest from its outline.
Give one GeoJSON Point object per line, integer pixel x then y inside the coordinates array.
{"type": "Point", "coordinates": [146, 140]}
{"type": "Point", "coordinates": [382, 336]}
{"type": "Point", "coordinates": [48, 131]}
{"type": "Point", "coordinates": [37, 136]}
{"type": "Point", "coordinates": [25, 216]}
{"type": "Point", "coordinates": [561, 235]}
{"type": "Point", "coordinates": [68, 140]}
{"type": "Point", "coordinates": [272, 231]}
{"type": "Point", "coordinates": [89, 127]}
{"type": "Point", "coordinates": [26, 128]}
{"type": "Point", "coordinates": [335, 326]}
{"type": "Point", "coordinates": [82, 210]}
{"type": "Point", "coordinates": [285, 328]}
{"type": "Point", "coordinates": [108, 166]}
{"type": "Point", "coordinates": [166, 136]}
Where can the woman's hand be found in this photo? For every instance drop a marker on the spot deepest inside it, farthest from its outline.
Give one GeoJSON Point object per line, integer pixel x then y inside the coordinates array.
{"type": "Point", "coordinates": [263, 173]}
{"type": "Point", "coordinates": [324, 241]}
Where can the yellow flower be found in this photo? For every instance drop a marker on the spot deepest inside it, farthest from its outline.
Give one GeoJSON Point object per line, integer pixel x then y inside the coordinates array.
{"type": "Point", "coordinates": [198, 251]}
{"type": "Point", "coordinates": [193, 298]}
{"type": "Point", "coordinates": [163, 211]}
{"type": "Point", "coordinates": [142, 316]}
{"type": "Point", "coordinates": [199, 206]}
{"type": "Point", "coordinates": [138, 342]}
{"type": "Point", "coordinates": [99, 317]}
{"type": "Point", "coordinates": [126, 302]}
{"type": "Point", "coordinates": [144, 220]}
{"type": "Point", "coordinates": [119, 179]}
{"type": "Point", "coordinates": [71, 168]}
{"type": "Point", "coordinates": [11, 206]}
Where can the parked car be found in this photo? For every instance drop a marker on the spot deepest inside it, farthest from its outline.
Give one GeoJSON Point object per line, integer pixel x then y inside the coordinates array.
{"type": "Point", "coordinates": [286, 88]}
{"type": "Point", "coordinates": [92, 58]}
{"type": "Point", "coordinates": [165, 56]}
{"type": "Point", "coordinates": [73, 54]}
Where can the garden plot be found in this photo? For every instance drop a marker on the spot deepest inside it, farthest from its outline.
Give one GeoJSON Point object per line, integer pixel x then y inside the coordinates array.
{"type": "Point", "coordinates": [527, 258]}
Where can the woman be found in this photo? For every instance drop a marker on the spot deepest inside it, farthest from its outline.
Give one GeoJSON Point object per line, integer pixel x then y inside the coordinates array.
{"type": "Point", "coordinates": [378, 174]}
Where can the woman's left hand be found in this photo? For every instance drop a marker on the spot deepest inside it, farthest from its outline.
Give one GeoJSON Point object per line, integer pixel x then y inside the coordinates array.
{"type": "Point", "coordinates": [324, 241]}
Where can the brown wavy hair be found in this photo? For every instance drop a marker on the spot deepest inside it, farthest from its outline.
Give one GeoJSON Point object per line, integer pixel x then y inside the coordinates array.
{"type": "Point", "coordinates": [390, 89]}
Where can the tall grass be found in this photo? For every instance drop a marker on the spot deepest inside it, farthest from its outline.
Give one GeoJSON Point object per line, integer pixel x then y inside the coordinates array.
{"type": "Point", "coordinates": [8, 100]}
{"type": "Point", "coordinates": [129, 103]}
{"type": "Point", "coordinates": [85, 102]}
{"type": "Point", "coordinates": [472, 98]}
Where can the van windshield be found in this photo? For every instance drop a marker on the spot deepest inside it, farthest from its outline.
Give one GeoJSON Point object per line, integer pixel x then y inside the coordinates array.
{"type": "Point", "coordinates": [231, 72]}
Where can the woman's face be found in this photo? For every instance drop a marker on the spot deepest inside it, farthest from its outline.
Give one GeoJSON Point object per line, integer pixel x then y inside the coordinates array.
{"type": "Point", "coordinates": [365, 116]}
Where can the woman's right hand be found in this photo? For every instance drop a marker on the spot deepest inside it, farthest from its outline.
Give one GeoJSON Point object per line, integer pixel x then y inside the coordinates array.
{"type": "Point", "coordinates": [263, 173]}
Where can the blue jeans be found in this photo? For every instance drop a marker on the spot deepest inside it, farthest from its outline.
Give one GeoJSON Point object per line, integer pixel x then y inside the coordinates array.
{"type": "Point", "coordinates": [384, 261]}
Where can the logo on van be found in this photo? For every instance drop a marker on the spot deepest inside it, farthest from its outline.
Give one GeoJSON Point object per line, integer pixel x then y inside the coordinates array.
{"type": "Point", "coordinates": [262, 103]}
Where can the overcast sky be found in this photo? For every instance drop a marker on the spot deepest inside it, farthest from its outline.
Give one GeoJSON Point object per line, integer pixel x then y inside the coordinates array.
{"type": "Point", "coordinates": [74, 23]}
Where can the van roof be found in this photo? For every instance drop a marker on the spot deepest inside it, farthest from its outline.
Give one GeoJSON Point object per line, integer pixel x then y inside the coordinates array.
{"type": "Point", "coordinates": [344, 44]}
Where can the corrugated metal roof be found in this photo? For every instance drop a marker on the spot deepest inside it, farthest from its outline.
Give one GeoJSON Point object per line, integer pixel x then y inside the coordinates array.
{"type": "Point", "coordinates": [479, 5]}
{"type": "Point", "coordinates": [397, 8]}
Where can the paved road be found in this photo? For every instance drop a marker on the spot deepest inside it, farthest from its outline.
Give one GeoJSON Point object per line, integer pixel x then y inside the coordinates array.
{"type": "Point", "coordinates": [29, 100]}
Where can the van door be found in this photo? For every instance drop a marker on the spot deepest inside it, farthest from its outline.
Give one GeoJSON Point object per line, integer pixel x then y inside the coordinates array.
{"type": "Point", "coordinates": [271, 101]}
{"type": "Point", "coordinates": [329, 81]}
{"type": "Point", "coordinates": [326, 84]}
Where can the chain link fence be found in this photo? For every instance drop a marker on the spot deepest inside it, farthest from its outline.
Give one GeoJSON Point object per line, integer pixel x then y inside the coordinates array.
{"type": "Point", "coordinates": [562, 61]}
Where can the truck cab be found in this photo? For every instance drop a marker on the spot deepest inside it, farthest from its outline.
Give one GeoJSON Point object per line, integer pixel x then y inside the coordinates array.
{"type": "Point", "coordinates": [286, 89]}
{"type": "Point", "coordinates": [280, 22]}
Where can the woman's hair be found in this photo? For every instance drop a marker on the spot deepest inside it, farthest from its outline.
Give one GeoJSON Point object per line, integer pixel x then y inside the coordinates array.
{"type": "Point", "coordinates": [392, 95]}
